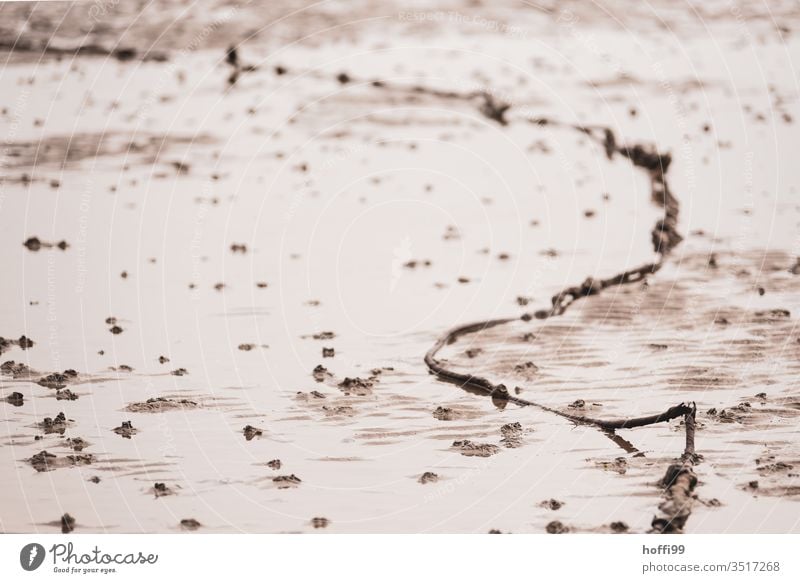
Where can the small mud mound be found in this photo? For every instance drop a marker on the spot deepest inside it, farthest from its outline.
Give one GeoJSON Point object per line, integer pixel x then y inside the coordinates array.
{"type": "Point", "coordinates": [283, 482]}
{"type": "Point", "coordinates": [126, 430]}
{"type": "Point", "coordinates": [45, 461]}
{"type": "Point", "coordinates": [161, 405]}
{"type": "Point", "coordinates": [23, 342]}
{"type": "Point", "coordinates": [428, 478]}
{"type": "Point", "coordinates": [471, 449]}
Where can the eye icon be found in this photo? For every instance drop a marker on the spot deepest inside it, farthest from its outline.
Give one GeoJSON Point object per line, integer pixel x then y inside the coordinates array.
{"type": "Point", "coordinates": [31, 556]}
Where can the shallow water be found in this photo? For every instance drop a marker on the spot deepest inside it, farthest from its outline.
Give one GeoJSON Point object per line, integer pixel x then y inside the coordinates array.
{"type": "Point", "coordinates": [155, 168]}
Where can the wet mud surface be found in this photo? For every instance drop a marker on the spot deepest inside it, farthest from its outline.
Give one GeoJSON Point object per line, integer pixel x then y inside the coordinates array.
{"type": "Point", "coordinates": [281, 243]}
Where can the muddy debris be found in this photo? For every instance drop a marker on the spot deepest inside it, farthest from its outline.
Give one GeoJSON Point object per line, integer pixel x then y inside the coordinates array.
{"type": "Point", "coordinates": [250, 432]}
{"type": "Point", "coordinates": [619, 527]}
{"type": "Point", "coordinates": [16, 399]}
{"type": "Point", "coordinates": [15, 369]}
{"type": "Point", "coordinates": [116, 330]}
{"type": "Point", "coordinates": [190, 524]}
{"type": "Point", "coordinates": [45, 461]}
{"type": "Point", "coordinates": [428, 478]}
{"type": "Point", "coordinates": [126, 430]}
{"type": "Point", "coordinates": [163, 359]}
{"type": "Point", "coordinates": [94, 480]}
{"type": "Point", "coordinates": [328, 352]}
{"type": "Point", "coordinates": [512, 434]}
{"type": "Point", "coordinates": [339, 411]}
{"type": "Point", "coordinates": [238, 248]}
{"type": "Point", "coordinates": [471, 449]}
{"type": "Point", "coordinates": [526, 370]}
{"type": "Point", "coordinates": [67, 524]}
{"type": "Point", "coordinates": [246, 347]}
{"type": "Point", "coordinates": [618, 465]}
{"type": "Point", "coordinates": [23, 342]}
{"type": "Point", "coordinates": [58, 380]}
{"type": "Point", "coordinates": [76, 443]}
{"type": "Point", "coordinates": [577, 404]}
{"type": "Point", "coordinates": [289, 481]}
{"type": "Point", "coordinates": [357, 386]}
{"type": "Point", "coordinates": [556, 527]}
{"type": "Point", "coordinates": [161, 404]}
{"type": "Point", "coordinates": [179, 372]}
{"type": "Point", "coordinates": [320, 522]}
{"type": "Point", "coordinates": [472, 352]}
{"type": "Point", "coordinates": [65, 395]}
{"type": "Point", "coordinates": [160, 489]}
{"type": "Point", "coordinates": [551, 504]}
{"type": "Point", "coordinates": [57, 424]}
{"type": "Point", "coordinates": [494, 109]}
{"type": "Point", "coordinates": [274, 464]}
{"type": "Point", "coordinates": [321, 374]}
{"type": "Point", "coordinates": [445, 414]}
{"type": "Point", "coordinates": [35, 244]}
{"type": "Point", "coordinates": [322, 336]}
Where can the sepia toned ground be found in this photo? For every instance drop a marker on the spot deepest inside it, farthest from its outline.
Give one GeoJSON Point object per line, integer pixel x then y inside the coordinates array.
{"type": "Point", "coordinates": [258, 252]}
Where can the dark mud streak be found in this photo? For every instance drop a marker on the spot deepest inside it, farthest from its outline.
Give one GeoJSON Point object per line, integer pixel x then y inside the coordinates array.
{"type": "Point", "coordinates": [680, 480]}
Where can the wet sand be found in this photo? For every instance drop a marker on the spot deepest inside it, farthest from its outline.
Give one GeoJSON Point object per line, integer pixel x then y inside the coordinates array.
{"type": "Point", "coordinates": [252, 272]}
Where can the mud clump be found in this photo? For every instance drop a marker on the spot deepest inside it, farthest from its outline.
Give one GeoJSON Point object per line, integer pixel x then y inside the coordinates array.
{"type": "Point", "coordinates": [160, 405]}
{"type": "Point", "coordinates": [551, 504]}
{"type": "Point", "coordinates": [471, 449]}
{"type": "Point", "coordinates": [189, 524]}
{"type": "Point", "coordinates": [179, 372]}
{"type": "Point", "coordinates": [526, 370]}
{"type": "Point", "coordinates": [66, 395]}
{"type": "Point", "coordinates": [16, 399]}
{"type": "Point", "coordinates": [290, 481]}
{"type": "Point", "coordinates": [58, 380]}
{"type": "Point", "coordinates": [428, 478]}
{"type": "Point", "coordinates": [512, 434]}
{"type": "Point", "coordinates": [274, 464]}
{"type": "Point", "coordinates": [67, 523]}
{"type": "Point", "coordinates": [320, 522]}
{"type": "Point", "coordinates": [328, 352]}
{"type": "Point", "coordinates": [324, 336]}
{"type": "Point", "coordinates": [357, 386]}
{"type": "Point", "coordinates": [15, 369]}
{"type": "Point", "coordinates": [557, 527]}
{"type": "Point", "coordinates": [45, 461]}
{"type": "Point", "coordinates": [618, 527]}
{"type": "Point", "coordinates": [126, 430]}
{"type": "Point", "coordinates": [339, 410]}
{"type": "Point", "coordinates": [618, 465]}
{"type": "Point", "coordinates": [35, 244]}
{"type": "Point", "coordinates": [57, 424]}
{"type": "Point", "coordinates": [160, 489]}
{"type": "Point", "coordinates": [22, 342]}
{"type": "Point", "coordinates": [445, 414]}
{"type": "Point", "coordinates": [321, 374]}
{"type": "Point", "coordinates": [77, 444]}
{"type": "Point", "coordinates": [250, 432]}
